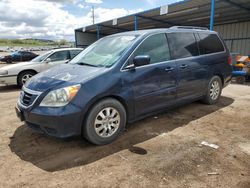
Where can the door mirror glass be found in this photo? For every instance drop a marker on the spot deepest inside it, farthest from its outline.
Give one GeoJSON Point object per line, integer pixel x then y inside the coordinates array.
{"type": "Point", "coordinates": [141, 60]}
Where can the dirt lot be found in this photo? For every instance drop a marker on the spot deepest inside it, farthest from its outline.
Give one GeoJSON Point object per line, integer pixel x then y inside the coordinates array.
{"type": "Point", "coordinates": [160, 151]}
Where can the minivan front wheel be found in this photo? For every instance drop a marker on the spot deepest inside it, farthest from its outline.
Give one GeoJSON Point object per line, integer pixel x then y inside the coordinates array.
{"type": "Point", "coordinates": [104, 122]}
{"type": "Point", "coordinates": [213, 91]}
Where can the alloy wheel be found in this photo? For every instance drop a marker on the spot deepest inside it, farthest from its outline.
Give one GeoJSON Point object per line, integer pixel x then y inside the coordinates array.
{"type": "Point", "coordinates": [25, 78]}
{"type": "Point", "coordinates": [107, 122]}
{"type": "Point", "coordinates": [215, 90]}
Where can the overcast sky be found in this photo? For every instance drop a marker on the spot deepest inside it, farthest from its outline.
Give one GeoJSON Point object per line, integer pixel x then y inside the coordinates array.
{"type": "Point", "coordinates": [57, 19]}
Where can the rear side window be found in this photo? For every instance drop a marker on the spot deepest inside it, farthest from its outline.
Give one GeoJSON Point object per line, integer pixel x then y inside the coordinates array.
{"type": "Point", "coordinates": [209, 43]}
{"type": "Point", "coordinates": [74, 53]}
{"type": "Point", "coordinates": [182, 45]}
{"type": "Point", "coordinates": [156, 47]}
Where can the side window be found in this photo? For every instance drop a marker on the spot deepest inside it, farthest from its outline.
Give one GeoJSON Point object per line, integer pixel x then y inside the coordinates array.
{"type": "Point", "coordinates": [182, 45]}
{"type": "Point", "coordinates": [156, 47]}
{"type": "Point", "coordinates": [59, 56]}
{"type": "Point", "coordinates": [74, 53]}
{"type": "Point", "coordinates": [209, 43]}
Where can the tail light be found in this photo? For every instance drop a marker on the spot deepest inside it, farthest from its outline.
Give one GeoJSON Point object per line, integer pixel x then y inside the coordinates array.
{"type": "Point", "coordinates": [230, 60]}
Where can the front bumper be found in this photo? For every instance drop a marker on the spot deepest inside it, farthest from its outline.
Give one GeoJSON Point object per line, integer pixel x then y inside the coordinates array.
{"type": "Point", "coordinates": [8, 80]}
{"type": "Point", "coordinates": [57, 122]}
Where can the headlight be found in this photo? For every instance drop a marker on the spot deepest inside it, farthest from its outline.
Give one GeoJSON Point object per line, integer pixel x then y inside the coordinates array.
{"type": "Point", "coordinates": [3, 72]}
{"type": "Point", "coordinates": [60, 97]}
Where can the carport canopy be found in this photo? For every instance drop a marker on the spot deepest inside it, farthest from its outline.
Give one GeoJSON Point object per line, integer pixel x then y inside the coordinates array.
{"type": "Point", "coordinates": [184, 13]}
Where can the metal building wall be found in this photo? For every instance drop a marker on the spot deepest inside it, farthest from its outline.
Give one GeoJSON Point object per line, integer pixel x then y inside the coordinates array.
{"type": "Point", "coordinates": [236, 36]}
{"type": "Point", "coordinates": [84, 39]}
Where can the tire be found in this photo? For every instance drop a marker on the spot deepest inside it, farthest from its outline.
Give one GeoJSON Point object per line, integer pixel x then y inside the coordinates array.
{"type": "Point", "coordinates": [98, 121]}
{"type": "Point", "coordinates": [23, 77]}
{"type": "Point", "coordinates": [213, 91]}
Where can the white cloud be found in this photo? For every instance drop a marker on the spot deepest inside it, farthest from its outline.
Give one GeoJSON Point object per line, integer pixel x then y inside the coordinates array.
{"type": "Point", "coordinates": [151, 2]}
{"type": "Point", "coordinates": [62, 1]}
{"type": "Point", "coordinates": [102, 14]}
{"type": "Point", "coordinates": [82, 6]}
{"type": "Point", "coordinates": [47, 19]}
{"type": "Point", "coordinates": [94, 1]}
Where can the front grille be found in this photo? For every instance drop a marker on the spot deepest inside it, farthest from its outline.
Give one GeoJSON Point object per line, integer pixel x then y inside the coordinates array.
{"type": "Point", "coordinates": [27, 99]}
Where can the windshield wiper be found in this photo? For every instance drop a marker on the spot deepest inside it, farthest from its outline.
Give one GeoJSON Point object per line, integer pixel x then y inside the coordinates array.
{"type": "Point", "coordinates": [82, 63]}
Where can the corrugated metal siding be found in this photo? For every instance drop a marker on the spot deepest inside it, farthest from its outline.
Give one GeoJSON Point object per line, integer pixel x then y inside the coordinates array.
{"type": "Point", "coordinates": [236, 36]}
{"type": "Point", "coordinates": [84, 39]}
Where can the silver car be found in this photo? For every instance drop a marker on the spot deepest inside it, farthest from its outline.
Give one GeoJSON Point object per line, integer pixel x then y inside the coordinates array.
{"type": "Point", "coordinates": [19, 73]}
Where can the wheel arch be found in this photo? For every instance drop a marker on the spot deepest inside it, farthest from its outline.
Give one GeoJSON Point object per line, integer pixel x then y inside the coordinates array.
{"type": "Point", "coordinates": [26, 70]}
{"type": "Point", "coordinates": [116, 97]}
{"type": "Point", "coordinates": [221, 77]}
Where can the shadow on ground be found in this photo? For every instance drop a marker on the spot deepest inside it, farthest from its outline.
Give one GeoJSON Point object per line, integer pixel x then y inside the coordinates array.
{"type": "Point", "coordinates": [54, 154]}
{"type": "Point", "coordinates": [9, 88]}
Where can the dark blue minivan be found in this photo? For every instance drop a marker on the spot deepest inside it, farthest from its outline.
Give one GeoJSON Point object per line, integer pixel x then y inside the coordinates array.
{"type": "Point", "coordinates": [124, 77]}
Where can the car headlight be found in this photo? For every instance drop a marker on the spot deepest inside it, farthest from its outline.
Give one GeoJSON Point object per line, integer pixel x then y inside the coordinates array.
{"type": "Point", "coordinates": [60, 97]}
{"type": "Point", "coordinates": [3, 72]}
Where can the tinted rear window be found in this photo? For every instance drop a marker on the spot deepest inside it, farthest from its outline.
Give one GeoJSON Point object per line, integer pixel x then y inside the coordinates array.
{"type": "Point", "coordinates": [209, 43]}
{"type": "Point", "coordinates": [182, 45]}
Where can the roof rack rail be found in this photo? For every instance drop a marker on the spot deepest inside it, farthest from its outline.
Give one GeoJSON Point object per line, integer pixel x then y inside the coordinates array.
{"type": "Point", "coordinates": [188, 27]}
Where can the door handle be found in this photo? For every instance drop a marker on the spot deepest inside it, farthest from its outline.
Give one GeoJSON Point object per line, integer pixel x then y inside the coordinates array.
{"type": "Point", "coordinates": [183, 66]}
{"type": "Point", "coordinates": [169, 69]}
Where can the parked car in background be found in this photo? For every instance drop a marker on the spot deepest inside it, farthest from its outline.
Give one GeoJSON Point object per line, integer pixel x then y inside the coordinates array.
{"type": "Point", "coordinates": [125, 77]}
{"type": "Point", "coordinates": [18, 56]}
{"type": "Point", "coordinates": [19, 73]}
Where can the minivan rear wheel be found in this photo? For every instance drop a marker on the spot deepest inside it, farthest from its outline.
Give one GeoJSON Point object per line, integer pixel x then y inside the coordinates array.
{"type": "Point", "coordinates": [213, 91]}
{"type": "Point", "coordinates": [105, 121]}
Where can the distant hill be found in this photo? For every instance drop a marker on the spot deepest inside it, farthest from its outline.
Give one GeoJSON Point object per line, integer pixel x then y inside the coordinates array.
{"type": "Point", "coordinates": [42, 40]}
{"type": "Point", "coordinates": [32, 42]}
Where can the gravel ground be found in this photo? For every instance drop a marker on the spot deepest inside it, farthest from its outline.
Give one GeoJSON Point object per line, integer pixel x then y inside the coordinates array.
{"type": "Point", "coordinates": [160, 151]}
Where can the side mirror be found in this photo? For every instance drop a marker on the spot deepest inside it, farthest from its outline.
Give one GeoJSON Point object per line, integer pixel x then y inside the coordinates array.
{"type": "Point", "coordinates": [48, 60]}
{"type": "Point", "coordinates": [141, 60]}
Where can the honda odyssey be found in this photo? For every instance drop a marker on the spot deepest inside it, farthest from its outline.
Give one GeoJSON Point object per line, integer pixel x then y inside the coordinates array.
{"type": "Point", "coordinates": [125, 77]}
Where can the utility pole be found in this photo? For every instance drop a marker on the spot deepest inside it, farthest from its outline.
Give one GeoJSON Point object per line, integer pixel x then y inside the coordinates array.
{"type": "Point", "coordinates": [93, 14]}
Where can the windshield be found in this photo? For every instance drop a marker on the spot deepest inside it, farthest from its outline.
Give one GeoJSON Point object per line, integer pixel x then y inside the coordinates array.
{"type": "Point", "coordinates": [105, 52]}
{"type": "Point", "coordinates": [41, 57]}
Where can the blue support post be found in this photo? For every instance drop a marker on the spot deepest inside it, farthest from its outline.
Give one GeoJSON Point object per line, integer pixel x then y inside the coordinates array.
{"type": "Point", "coordinates": [212, 14]}
{"type": "Point", "coordinates": [136, 23]}
{"type": "Point", "coordinates": [97, 32]}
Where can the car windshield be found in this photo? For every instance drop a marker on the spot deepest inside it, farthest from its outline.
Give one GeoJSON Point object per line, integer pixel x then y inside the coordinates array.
{"type": "Point", "coordinates": [104, 52]}
{"type": "Point", "coordinates": [41, 57]}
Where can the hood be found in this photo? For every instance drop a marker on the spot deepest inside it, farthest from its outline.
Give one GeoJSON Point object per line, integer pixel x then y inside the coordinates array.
{"type": "Point", "coordinates": [13, 66]}
{"type": "Point", "coordinates": [63, 75]}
